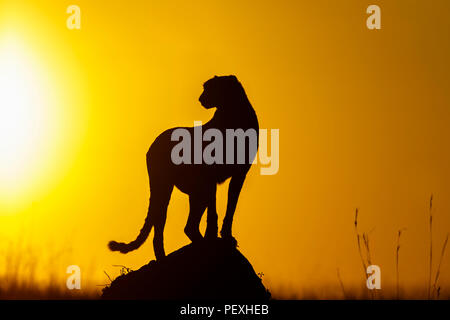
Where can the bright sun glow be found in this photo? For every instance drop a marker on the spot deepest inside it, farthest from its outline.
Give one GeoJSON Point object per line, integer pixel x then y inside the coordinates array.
{"type": "Point", "coordinates": [22, 118]}
{"type": "Point", "coordinates": [40, 125]}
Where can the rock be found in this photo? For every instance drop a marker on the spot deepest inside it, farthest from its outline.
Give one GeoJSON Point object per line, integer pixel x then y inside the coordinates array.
{"type": "Point", "coordinates": [207, 270]}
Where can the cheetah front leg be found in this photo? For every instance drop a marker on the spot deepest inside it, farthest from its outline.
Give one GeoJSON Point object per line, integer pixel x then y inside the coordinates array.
{"type": "Point", "coordinates": [211, 217]}
{"type": "Point", "coordinates": [233, 195]}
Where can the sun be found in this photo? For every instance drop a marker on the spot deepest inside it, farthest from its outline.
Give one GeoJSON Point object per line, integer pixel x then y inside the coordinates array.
{"type": "Point", "coordinates": [23, 125]}
{"type": "Point", "coordinates": [42, 118]}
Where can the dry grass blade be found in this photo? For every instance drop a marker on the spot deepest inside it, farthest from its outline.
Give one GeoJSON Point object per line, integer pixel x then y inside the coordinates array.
{"type": "Point", "coordinates": [365, 238]}
{"type": "Point", "coordinates": [439, 266]}
{"type": "Point", "coordinates": [369, 259]}
{"type": "Point", "coordinates": [358, 240]}
{"type": "Point", "coordinates": [366, 245]}
{"type": "Point", "coordinates": [110, 280]}
{"type": "Point", "coordinates": [341, 283]}
{"type": "Point", "coordinates": [397, 263]}
{"type": "Point", "coordinates": [431, 246]}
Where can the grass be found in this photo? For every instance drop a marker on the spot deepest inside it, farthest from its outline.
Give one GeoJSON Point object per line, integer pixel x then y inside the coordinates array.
{"type": "Point", "coordinates": [397, 264]}
{"type": "Point", "coordinates": [366, 259]}
{"type": "Point", "coordinates": [433, 288]}
{"type": "Point", "coordinates": [341, 283]}
{"type": "Point", "coordinates": [20, 260]}
{"type": "Point", "coordinates": [358, 241]}
{"type": "Point", "coordinates": [27, 274]}
{"type": "Point", "coordinates": [431, 246]}
{"type": "Point", "coordinates": [437, 288]}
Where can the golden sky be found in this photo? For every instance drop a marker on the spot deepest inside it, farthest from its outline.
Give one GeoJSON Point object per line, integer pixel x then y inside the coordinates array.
{"type": "Point", "coordinates": [363, 118]}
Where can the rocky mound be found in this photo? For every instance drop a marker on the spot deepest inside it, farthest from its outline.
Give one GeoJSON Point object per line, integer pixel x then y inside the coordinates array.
{"type": "Point", "coordinates": [207, 270]}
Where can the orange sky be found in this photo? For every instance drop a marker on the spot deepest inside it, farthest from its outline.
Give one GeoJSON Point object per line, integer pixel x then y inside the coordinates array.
{"type": "Point", "coordinates": [363, 118]}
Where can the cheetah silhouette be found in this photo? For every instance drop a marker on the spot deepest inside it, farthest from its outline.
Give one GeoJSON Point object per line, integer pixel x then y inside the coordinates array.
{"type": "Point", "coordinates": [199, 181]}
